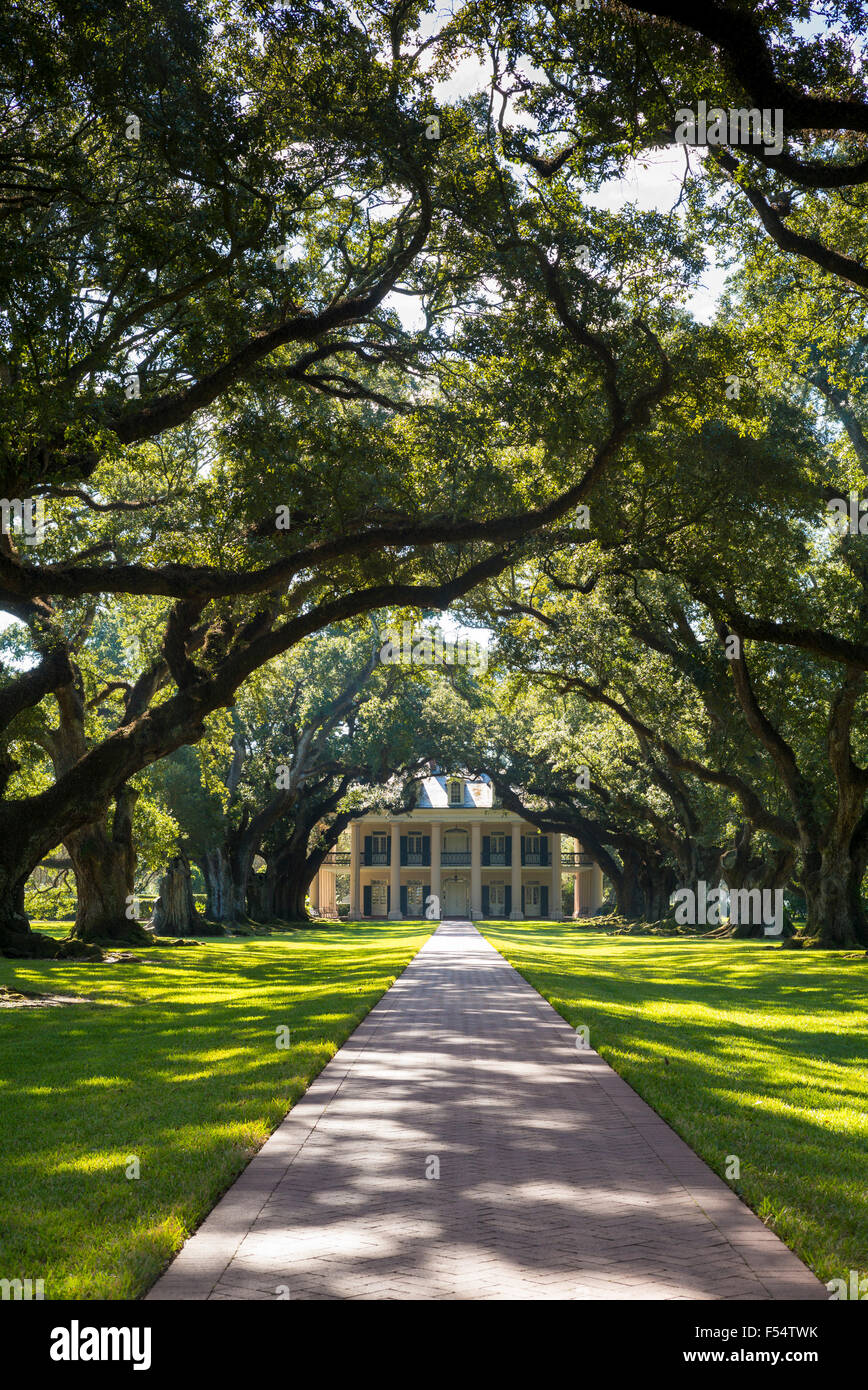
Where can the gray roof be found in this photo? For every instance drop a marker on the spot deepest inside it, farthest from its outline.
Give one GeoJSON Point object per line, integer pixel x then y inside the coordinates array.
{"type": "Point", "coordinates": [434, 794]}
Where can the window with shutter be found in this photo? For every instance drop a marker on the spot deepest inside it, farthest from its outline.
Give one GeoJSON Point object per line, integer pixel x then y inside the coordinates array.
{"type": "Point", "coordinates": [497, 850]}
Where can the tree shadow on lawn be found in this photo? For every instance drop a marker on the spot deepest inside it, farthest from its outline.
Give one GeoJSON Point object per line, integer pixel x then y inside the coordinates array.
{"type": "Point", "coordinates": [182, 1071]}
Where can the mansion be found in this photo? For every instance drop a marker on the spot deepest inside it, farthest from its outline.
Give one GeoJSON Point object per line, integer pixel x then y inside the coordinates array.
{"type": "Point", "coordinates": [456, 854]}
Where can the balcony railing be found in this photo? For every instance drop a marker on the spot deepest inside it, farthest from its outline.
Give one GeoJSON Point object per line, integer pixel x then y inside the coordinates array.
{"type": "Point", "coordinates": [460, 859]}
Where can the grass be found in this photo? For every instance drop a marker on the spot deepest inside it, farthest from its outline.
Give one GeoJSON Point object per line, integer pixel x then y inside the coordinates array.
{"type": "Point", "coordinates": [767, 1060]}
{"type": "Point", "coordinates": [175, 1064]}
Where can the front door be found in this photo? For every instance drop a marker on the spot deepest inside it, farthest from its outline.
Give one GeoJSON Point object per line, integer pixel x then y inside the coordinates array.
{"type": "Point", "coordinates": [379, 899]}
{"type": "Point", "coordinates": [455, 898]}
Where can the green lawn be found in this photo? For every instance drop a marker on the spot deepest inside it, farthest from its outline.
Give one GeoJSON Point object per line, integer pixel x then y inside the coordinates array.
{"type": "Point", "coordinates": [768, 1060]}
{"type": "Point", "coordinates": [175, 1064]}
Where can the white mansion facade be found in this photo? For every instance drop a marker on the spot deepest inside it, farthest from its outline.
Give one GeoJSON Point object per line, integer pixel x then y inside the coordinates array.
{"type": "Point", "coordinates": [456, 854]}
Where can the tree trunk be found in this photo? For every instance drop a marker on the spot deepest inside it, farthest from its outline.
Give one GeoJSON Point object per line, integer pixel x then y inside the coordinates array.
{"type": "Point", "coordinates": [174, 911]}
{"type": "Point", "coordinates": [741, 869]}
{"type": "Point", "coordinates": [697, 863]}
{"type": "Point", "coordinates": [290, 892]}
{"type": "Point", "coordinates": [629, 898]}
{"type": "Point", "coordinates": [226, 871]}
{"type": "Point", "coordinates": [218, 884]}
{"type": "Point", "coordinates": [16, 937]}
{"type": "Point", "coordinates": [836, 917]}
{"type": "Point", "coordinates": [104, 865]}
{"type": "Point", "coordinates": [657, 882]}
{"type": "Point", "coordinates": [260, 897]}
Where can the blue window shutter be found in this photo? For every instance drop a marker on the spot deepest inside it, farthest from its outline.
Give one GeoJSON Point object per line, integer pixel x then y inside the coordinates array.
{"type": "Point", "coordinates": [522, 898]}
{"type": "Point", "coordinates": [426, 852]}
{"type": "Point", "coordinates": [426, 893]}
{"type": "Point", "coordinates": [403, 849]}
{"type": "Point", "coordinates": [544, 849]}
{"type": "Point", "coordinates": [403, 900]}
{"type": "Point", "coordinates": [486, 851]}
{"type": "Point", "coordinates": [507, 899]}
{"type": "Point", "coordinates": [523, 849]}
{"type": "Point", "coordinates": [544, 901]}
{"type": "Point", "coordinates": [366, 900]}
{"type": "Point", "coordinates": [485, 899]}
{"type": "Point", "coordinates": [508, 847]}
{"type": "Point", "coordinates": [369, 848]}
{"type": "Point", "coordinates": [388, 849]}
{"type": "Point", "coordinates": [388, 899]}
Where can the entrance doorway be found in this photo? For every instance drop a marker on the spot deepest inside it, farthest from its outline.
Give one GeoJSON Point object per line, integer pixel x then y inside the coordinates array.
{"type": "Point", "coordinates": [456, 902]}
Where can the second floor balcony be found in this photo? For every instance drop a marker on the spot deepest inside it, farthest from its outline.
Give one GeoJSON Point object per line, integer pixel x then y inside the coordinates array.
{"type": "Point", "coordinates": [536, 853]}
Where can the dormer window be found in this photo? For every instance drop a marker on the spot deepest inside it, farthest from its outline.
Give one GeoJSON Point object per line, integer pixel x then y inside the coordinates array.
{"type": "Point", "coordinates": [456, 791]}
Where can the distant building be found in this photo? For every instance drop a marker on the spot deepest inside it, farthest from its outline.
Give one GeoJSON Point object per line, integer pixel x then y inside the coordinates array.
{"type": "Point", "coordinates": [457, 854]}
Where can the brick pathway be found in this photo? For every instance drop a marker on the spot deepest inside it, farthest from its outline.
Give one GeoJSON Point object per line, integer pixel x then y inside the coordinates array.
{"type": "Point", "coordinates": [556, 1180]}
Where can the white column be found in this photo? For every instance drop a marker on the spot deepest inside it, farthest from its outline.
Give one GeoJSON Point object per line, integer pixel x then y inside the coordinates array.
{"type": "Point", "coordinates": [395, 913]}
{"type": "Point", "coordinates": [355, 875]}
{"type": "Point", "coordinates": [435, 868]}
{"type": "Point", "coordinates": [596, 888]}
{"type": "Point", "coordinates": [475, 870]}
{"type": "Point", "coordinates": [516, 915]}
{"type": "Point", "coordinates": [314, 894]}
{"type": "Point", "coordinates": [555, 909]}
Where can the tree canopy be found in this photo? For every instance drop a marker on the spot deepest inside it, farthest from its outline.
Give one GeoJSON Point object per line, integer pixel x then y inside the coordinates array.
{"type": "Point", "coordinates": [296, 332]}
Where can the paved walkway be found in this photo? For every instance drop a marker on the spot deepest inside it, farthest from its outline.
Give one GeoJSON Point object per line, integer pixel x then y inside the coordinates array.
{"type": "Point", "coordinates": [556, 1180]}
